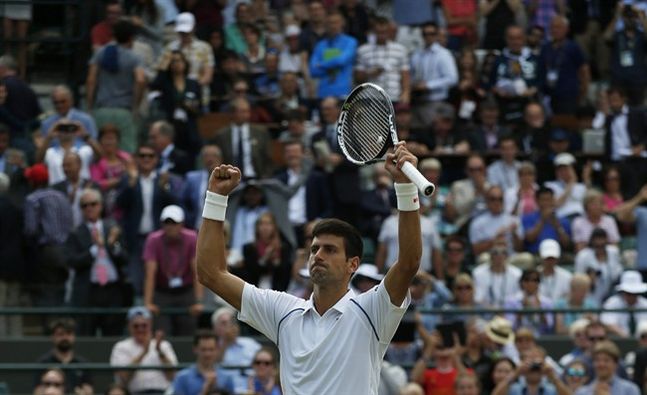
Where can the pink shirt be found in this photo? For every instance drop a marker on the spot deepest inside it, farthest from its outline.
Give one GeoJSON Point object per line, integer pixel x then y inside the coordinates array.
{"type": "Point", "coordinates": [582, 229]}
{"type": "Point", "coordinates": [173, 258]}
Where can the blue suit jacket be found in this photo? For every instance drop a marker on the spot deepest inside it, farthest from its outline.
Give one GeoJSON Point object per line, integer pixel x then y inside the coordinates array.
{"type": "Point", "coordinates": [193, 196]}
{"type": "Point", "coordinates": [318, 202]}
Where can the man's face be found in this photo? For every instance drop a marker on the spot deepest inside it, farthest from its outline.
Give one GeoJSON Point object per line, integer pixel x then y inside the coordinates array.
{"type": "Point", "coordinates": [211, 158]}
{"type": "Point", "coordinates": [534, 116]}
{"type": "Point", "coordinates": [293, 154]}
{"type": "Point", "coordinates": [475, 168]}
{"type": "Point", "coordinates": [113, 13]}
{"type": "Point", "coordinates": [206, 351]}
{"type": "Point", "coordinates": [157, 139]}
{"type": "Point", "coordinates": [172, 229]}
{"type": "Point", "coordinates": [90, 207]}
{"type": "Point", "coordinates": [494, 200]}
{"type": "Point", "coordinates": [594, 335]}
{"type": "Point", "coordinates": [489, 117]}
{"type": "Point", "coordinates": [604, 366]}
{"type": "Point", "coordinates": [328, 263]}
{"type": "Point", "coordinates": [508, 150]}
{"type": "Point", "coordinates": [558, 29]}
{"type": "Point", "coordinates": [630, 299]}
{"type": "Point", "coordinates": [563, 173]}
{"type": "Point", "coordinates": [329, 111]}
{"type": "Point", "coordinates": [535, 37]}
{"type": "Point", "coordinates": [455, 252]}
{"type": "Point", "coordinates": [71, 167]}
{"type": "Point", "coordinates": [382, 33]}
{"type": "Point", "coordinates": [289, 84]}
{"type": "Point", "coordinates": [334, 24]}
{"type": "Point", "coordinates": [146, 159]}
{"type": "Point", "coordinates": [242, 113]}
{"type": "Point", "coordinates": [316, 11]}
{"type": "Point", "coordinates": [62, 102]}
{"type": "Point", "coordinates": [430, 35]}
{"type": "Point", "coordinates": [546, 201]}
{"type": "Point", "coordinates": [616, 101]}
{"type": "Point", "coordinates": [63, 339]}
{"type": "Point", "coordinates": [243, 14]}
{"type": "Point", "coordinates": [515, 39]}
{"type": "Point", "coordinates": [140, 329]}
{"type": "Point", "coordinates": [224, 327]}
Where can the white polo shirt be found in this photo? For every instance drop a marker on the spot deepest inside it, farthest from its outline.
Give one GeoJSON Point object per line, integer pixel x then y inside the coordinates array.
{"type": "Point", "coordinates": [338, 353]}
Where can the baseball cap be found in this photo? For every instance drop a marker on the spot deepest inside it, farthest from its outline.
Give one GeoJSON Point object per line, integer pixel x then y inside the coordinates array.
{"type": "Point", "coordinates": [37, 174]}
{"type": "Point", "coordinates": [564, 159]}
{"type": "Point", "coordinates": [549, 248]}
{"type": "Point", "coordinates": [185, 22]}
{"type": "Point", "coordinates": [139, 311]}
{"type": "Point", "coordinates": [172, 212]}
{"type": "Point", "coordinates": [292, 30]}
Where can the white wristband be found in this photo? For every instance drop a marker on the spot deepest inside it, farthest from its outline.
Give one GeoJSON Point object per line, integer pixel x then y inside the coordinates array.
{"type": "Point", "coordinates": [407, 196]}
{"type": "Point", "coordinates": [215, 206]}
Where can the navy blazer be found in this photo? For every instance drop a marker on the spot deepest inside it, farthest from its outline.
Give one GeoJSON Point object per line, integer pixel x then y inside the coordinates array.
{"type": "Point", "coordinates": [193, 196]}
{"type": "Point", "coordinates": [344, 179]}
{"type": "Point", "coordinates": [318, 203]}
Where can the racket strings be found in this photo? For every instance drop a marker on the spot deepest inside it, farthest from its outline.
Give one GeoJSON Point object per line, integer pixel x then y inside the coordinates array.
{"type": "Point", "coordinates": [366, 129]}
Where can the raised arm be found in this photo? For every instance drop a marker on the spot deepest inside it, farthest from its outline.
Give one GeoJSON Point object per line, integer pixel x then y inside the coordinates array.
{"type": "Point", "coordinates": [210, 254]}
{"type": "Point", "coordinates": [399, 277]}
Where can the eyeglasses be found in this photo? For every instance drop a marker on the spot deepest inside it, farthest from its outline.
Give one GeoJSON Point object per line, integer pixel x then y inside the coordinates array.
{"type": "Point", "coordinates": [89, 204]}
{"type": "Point", "coordinates": [265, 363]}
{"type": "Point", "coordinates": [145, 156]}
{"type": "Point", "coordinates": [597, 338]}
{"type": "Point", "coordinates": [612, 178]}
{"type": "Point", "coordinates": [51, 383]}
{"type": "Point", "coordinates": [576, 372]}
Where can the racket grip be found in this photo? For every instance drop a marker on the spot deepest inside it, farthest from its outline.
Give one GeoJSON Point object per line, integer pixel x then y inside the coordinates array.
{"type": "Point", "coordinates": [427, 188]}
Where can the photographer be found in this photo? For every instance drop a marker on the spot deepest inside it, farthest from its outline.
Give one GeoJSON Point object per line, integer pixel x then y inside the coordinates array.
{"type": "Point", "coordinates": [447, 365]}
{"type": "Point", "coordinates": [533, 376]}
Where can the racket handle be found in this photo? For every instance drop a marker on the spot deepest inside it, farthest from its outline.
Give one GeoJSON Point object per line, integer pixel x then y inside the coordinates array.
{"type": "Point", "coordinates": [427, 188]}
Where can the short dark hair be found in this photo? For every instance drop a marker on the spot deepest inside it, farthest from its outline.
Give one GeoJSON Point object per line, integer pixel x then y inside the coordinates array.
{"type": "Point", "coordinates": [203, 334]}
{"type": "Point", "coordinates": [430, 24]}
{"type": "Point", "coordinates": [145, 145]}
{"type": "Point", "coordinates": [123, 31]}
{"type": "Point", "coordinates": [507, 137]}
{"type": "Point", "coordinates": [454, 239]}
{"type": "Point", "coordinates": [109, 128]}
{"type": "Point", "coordinates": [67, 324]}
{"type": "Point", "coordinates": [528, 273]}
{"type": "Point", "coordinates": [543, 190]}
{"type": "Point", "coordinates": [352, 239]}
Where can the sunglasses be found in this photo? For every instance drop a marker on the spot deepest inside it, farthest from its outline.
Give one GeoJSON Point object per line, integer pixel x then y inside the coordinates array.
{"type": "Point", "coordinates": [454, 250]}
{"type": "Point", "coordinates": [495, 198]}
{"type": "Point", "coordinates": [140, 326]}
{"type": "Point", "coordinates": [475, 168]}
{"type": "Point", "coordinates": [265, 363]}
{"type": "Point", "coordinates": [51, 383]}
{"type": "Point", "coordinates": [463, 287]}
{"type": "Point", "coordinates": [532, 279]}
{"type": "Point", "coordinates": [143, 155]}
{"type": "Point", "coordinates": [576, 372]}
{"type": "Point", "coordinates": [597, 338]}
{"type": "Point", "coordinates": [89, 204]}
{"type": "Point", "coordinates": [429, 33]}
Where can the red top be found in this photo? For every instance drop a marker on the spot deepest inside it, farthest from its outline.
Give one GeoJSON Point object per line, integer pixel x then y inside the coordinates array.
{"type": "Point", "coordinates": [460, 8]}
{"type": "Point", "coordinates": [101, 34]}
{"type": "Point", "coordinates": [173, 257]}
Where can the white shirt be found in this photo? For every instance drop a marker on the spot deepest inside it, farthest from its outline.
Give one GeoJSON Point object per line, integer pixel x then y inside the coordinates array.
{"type": "Point", "coordinates": [147, 184]}
{"type": "Point", "coordinates": [297, 203]}
{"type": "Point", "coordinates": [609, 271]}
{"type": "Point", "coordinates": [126, 350]}
{"type": "Point", "coordinates": [504, 175]}
{"type": "Point", "coordinates": [54, 162]}
{"type": "Point", "coordinates": [389, 236]}
{"type": "Point", "coordinates": [574, 203]}
{"type": "Point", "coordinates": [487, 225]}
{"type": "Point", "coordinates": [242, 131]}
{"type": "Point", "coordinates": [435, 65]}
{"type": "Point", "coordinates": [492, 289]}
{"type": "Point", "coordinates": [338, 353]}
{"type": "Point", "coordinates": [557, 285]}
{"type": "Point", "coordinates": [392, 58]}
{"type": "Point", "coordinates": [621, 319]}
{"type": "Point", "coordinates": [166, 164]}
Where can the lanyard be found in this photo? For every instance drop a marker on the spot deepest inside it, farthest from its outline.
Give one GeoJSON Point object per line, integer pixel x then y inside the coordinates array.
{"type": "Point", "coordinates": [166, 265]}
{"type": "Point", "coordinates": [498, 301]}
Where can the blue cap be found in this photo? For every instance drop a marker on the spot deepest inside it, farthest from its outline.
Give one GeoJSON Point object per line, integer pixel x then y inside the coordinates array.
{"type": "Point", "coordinates": [139, 311]}
{"type": "Point", "coordinates": [559, 134]}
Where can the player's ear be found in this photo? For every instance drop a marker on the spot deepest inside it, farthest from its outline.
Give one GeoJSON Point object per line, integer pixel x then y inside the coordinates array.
{"type": "Point", "coordinates": [354, 264]}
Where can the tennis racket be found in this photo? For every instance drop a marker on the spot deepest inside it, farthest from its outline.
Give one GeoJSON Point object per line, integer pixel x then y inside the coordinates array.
{"type": "Point", "coordinates": [366, 130]}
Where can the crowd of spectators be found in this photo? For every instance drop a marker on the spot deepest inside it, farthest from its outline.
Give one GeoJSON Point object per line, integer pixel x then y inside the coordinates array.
{"type": "Point", "coordinates": [528, 115]}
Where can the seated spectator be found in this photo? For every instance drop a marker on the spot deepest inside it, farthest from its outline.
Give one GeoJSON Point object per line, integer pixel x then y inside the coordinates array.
{"type": "Point", "coordinates": [447, 365]}
{"type": "Point", "coordinates": [495, 226]}
{"type": "Point", "coordinates": [537, 377]}
{"type": "Point", "coordinates": [606, 358]}
{"type": "Point", "coordinates": [462, 297]}
{"type": "Point", "coordinates": [63, 102]}
{"type": "Point", "coordinates": [365, 278]}
{"type": "Point", "coordinates": [534, 131]}
{"type": "Point", "coordinates": [288, 99]}
{"type": "Point", "coordinates": [575, 375]}
{"type": "Point", "coordinates": [577, 333]}
{"type": "Point", "coordinates": [476, 356]}
{"type": "Point", "coordinates": [172, 158]}
{"type": "Point", "coordinates": [294, 57]}
{"type": "Point", "coordinates": [52, 382]}
{"type": "Point", "coordinates": [629, 297]}
{"type": "Point", "coordinates": [265, 379]}
{"type": "Point", "coordinates": [108, 170]}
{"type": "Point", "coordinates": [466, 197]}
{"type": "Point", "coordinates": [195, 185]}
{"type": "Point", "coordinates": [238, 350]}
{"type": "Point", "coordinates": [544, 223]}
{"type": "Point", "coordinates": [428, 292]}
{"type": "Point", "coordinates": [593, 218]}
{"type": "Point", "coordinates": [376, 203]}
{"type": "Point", "coordinates": [499, 338]}
{"type": "Point", "coordinates": [559, 142]}
{"type": "Point", "coordinates": [234, 31]}
{"type": "Point", "coordinates": [495, 280]}
{"type": "Point", "coordinates": [434, 206]}
{"type": "Point", "coordinates": [268, 84]}
{"type": "Point", "coordinates": [521, 200]}
{"type": "Point", "coordinates": [577, 297]}
{"type": "Point", "coordinates": [445, 136]}
{"type": "Point", "coordinates": [525, 341]}
{"type": "Point", "coordinates": [63, 340]}
{"type": "Point", "coordinates": [141, 349]}
{"type": "Point", "coordinates": [601, 261]}
{"type": "Point", "coordinates": [170, 277]}
{"type": "Point", "coordinates": [529, 297]}
{"type": "Point", "coordinates": [253, 57]}
{"type": "Point", "coordinates": [502, 368]}
{"type": "Point", "coordinates": [504, 172]}
{"type": "Point", "coordinates": [555, 280]}
{"type": "Point", "coordinates": [456, 262]}
{"type": "Point", "coordinates": [73, 184]}
{"type": "Point", "coordinates": [204, 376]}
{"type": "Point", "coordinates": [569, 193]}
{"type": "Point", "coordinates": [612, 197]}
{"type": "Point", "coordinates": [101, 33]}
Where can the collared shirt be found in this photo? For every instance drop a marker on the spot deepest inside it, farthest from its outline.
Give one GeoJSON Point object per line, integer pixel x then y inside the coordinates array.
{"type": "Point", "coordinates": [173, 258]}
{"type": "Point", "coordinates": [391, 58]}
{"type": "Point", "coordinates": [608, 271]}
{"type": "Point", "coordinates": [503, 174]}
{"type": "Point", "coordinates": [297, 203]}
{"type": "Point", "coordinates": [165, 161]}
{"type": "Point", "coordinates": [238, 132]}
{"type": "Point", "coordinates": [487, 225]}
{"type": "Point", "coordinates": [190, 381]}
{"type": "Point", "coordinates": [54, 161]}
{"type": "Point", "coordinates": [574, 202]}
{"type": "Point", "coordinates": [104, 258]}
{"type": "Point", "coordinates": [621, 319]}
{"type": "Point", "coordinates": [618, 386]}
{"type": "Point", "coordinates": [582, 228]}
{"type": "Point", "coordinates": [338, 353]}
{"type": "Point", "coordinates": [147, 184]}
{"type": "Point", "coordinates": [436, 66]}
{"type": "Point", "coordinates": [532, 321]}
{"type": "Point", "coordinates": [240, 353]}
{"type": "Point", "coordinates": [125, 351]}
{"type": "Point", "coordinates": [389, 236]}
{"type": "Point", "coordinates": [48, 216]}
{"type": "Point", "coordinates": [491, 288]}
{"type": "Point", "coordinates": [557, 285]}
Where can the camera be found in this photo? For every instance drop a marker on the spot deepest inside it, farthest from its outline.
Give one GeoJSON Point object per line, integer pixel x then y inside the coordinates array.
{"type": "Point", "coordinates": [535, 366]}
{"type": "Point", "coordinates": [67, 127]}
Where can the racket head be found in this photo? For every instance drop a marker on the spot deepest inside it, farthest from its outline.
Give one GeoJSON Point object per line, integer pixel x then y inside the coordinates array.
{"type": "Point", "coordinates": [366, 125]}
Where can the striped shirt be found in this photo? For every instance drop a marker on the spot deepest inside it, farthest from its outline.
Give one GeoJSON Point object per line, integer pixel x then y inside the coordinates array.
{"type": "Point", "coordinates": [392, 58]}
{"type": "Point", "coordinates": [48, 216]}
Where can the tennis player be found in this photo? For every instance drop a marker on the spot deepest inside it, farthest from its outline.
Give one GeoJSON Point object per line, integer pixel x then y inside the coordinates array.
{"type": "Point", "coordinates": [334, 342]}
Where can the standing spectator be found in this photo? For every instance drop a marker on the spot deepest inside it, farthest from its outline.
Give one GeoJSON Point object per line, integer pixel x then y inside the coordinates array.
{"type": "Point", "coordinates": [115, 84]}
{"type": "Point", "coordinates": [447, 366]}
{"type": "Point", "coordinates": [504, 172]}
{"type": "Point", "coordinates": [498, 15]}
{"type": "Point", "coordinates": [577, 297]}
{"type": "Point", "coordinates": [170, 277]}
{"type": "Point", "coordinates": [569, 193]}
{"type": "Point", "coordinates": [234, 31]}
{"type": "Point", "coordinates": [48, 222]}
{"type": "Point", "coordinates": [181, 101]}
{"type": "Point", "coordinates": [148, 18]}
{"type": "Point", "coordinates": [356, 19]}
{"type": "Point", "coordinates": [73, 184]}
{"type": "Point", "coordinates": [486, 136]}
{"type": "Point", "coordinates": [143, 194]}
{"type": "Point", "coordinates": [630, 289]}
{"type": "Point", "coordinates": [385, 63]}
{"type": "Point", "coordinates": [245, 145]}
{"type": "Point", "coordinates": [601, 261]}
{"type": "Point", "coordinates": [433, 74]}
{"type": "Point", "coordinates": [495, 226]}
{"type": "Point", "coordinates": [515, 76]}
{"type": "Point", "coordinates": [495, 280]}
{"type": "Point", "coordinates": [314, 29]}
{"type": "Point", "coordinates": [555, 280]}
{"type": "Point", "coordinates": [20, 100]}
{"type": "Point", "coordinates": [529, 297]}
{"type": "Point", "coordinates": [205, 376]}
{"type": "Point", "coordinates": [333, 58]}
{"type": "Point", "coordinates": [606, 359]}
{"type": "Point", "coordinates": [264, 380]}
{"type": "Point", "coordinates": [567, 75]}
{"type": "Point", "coordinates": [467, 196]}
{"type": "Point", "coordinates": [172, 159]}
{"type": "Point", "coordinates": [593, 218]}
{"type": "Point", "coordinates": [544, 223]}
{"type": "Point", "coordinates": [461, 18]}
{"type": "Point", "coordinates": [63, 102]}
{"type": "Point", "coordinates": [141, 349]}
{"type": "Point", "coordinates": [102, 33]}
{"type": "Point", "coordinates": [96, 253]}
{"type": "Point", "coordinates": [63, 353]}
{"type": "Point", "coordinates": [195, 185]}
{"type": "Point", "coordinates": [534, 132]}
{"type": "Point", "coordinates": [542, 12]}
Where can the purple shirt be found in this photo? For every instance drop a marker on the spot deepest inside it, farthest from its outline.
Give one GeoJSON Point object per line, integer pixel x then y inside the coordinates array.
{"type": "Point", "coordinates": [173, 257]}
{"type": "Point", "coordinates": [532, 321]}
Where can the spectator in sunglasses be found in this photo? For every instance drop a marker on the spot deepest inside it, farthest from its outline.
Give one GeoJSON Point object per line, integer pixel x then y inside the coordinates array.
{"type": "Point", "coordinates": [496, 279]}
{"type": "Point", "coordinates": [576, 375]}
{"type": "Point", "coordinates": [264, 381]}
{"type": "Point", "coordinates": [606, 359]}
{"type": "Point", "coordinates": [529, 298]}
{"type": "Point", "coordinates": [52, 382]}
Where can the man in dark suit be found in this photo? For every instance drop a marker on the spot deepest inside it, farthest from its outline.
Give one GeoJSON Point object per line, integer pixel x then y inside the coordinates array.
{"type": "Point", "coordinates": [485, 136]}
{"type": "Point", "coordinates": [73, 184]}
{"type": "Point", "coordinates": [144, 193]}
{"type": "Point", "coordinates": [96, 252]}
{"type": "Point", "coordinates": [343, 176]}
{"type": "Point", "coordinates": [195, 185]}
{"type": "Point", "coordinates": [309, 196]}
{"type": "Point", "coordinates": [244, 145]}
{"type": "Point", "coordinates": [171, 158]}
